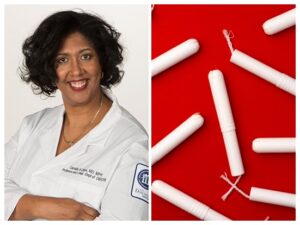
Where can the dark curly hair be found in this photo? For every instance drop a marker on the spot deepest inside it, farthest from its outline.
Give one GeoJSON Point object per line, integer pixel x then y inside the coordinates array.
{"type": "Point", "coordinates": [40, 49]}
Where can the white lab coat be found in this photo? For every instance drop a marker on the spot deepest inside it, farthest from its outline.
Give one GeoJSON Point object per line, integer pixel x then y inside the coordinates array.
{"type": "Point", "coordinates": [106, 169]}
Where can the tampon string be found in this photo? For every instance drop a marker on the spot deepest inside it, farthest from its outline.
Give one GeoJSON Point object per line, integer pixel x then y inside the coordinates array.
{"type": "Point", "coordinates": [225, 196]}
{"type": "Point", "coordinates": [228, 35]}
{"type": "Point", "coordinates": [233, 186]}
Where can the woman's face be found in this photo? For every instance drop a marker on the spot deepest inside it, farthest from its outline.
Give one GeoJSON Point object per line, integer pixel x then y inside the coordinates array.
{"type": "Point", "coordinates": [78, 70]}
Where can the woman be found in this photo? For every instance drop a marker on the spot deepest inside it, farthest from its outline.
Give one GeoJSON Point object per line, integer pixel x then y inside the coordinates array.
{"type": "Point", "coordinates": [85, 159]}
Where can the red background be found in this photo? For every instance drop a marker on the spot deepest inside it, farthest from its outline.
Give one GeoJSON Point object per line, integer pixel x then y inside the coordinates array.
{"type": "Point", "coordinates": [259, 108]}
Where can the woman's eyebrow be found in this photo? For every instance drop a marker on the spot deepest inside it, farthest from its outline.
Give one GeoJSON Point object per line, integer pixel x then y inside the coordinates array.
{"type": "Point", "coordinates": [80, 51]}
{"type": "Point", "coordinates": [85, 49]}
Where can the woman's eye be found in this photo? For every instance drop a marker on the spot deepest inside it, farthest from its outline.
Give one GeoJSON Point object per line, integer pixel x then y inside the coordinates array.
{"type": "Point", "coordinates": [86, 57]}
{"type": "Point", "coordinates": [61, 60]}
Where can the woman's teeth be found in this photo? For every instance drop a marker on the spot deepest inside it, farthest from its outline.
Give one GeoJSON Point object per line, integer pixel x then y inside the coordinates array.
{"type": "Point", "coordinates": [78, 84]}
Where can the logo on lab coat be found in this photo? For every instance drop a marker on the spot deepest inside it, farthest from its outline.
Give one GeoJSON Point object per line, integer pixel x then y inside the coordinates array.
{"type": "Point", "coordinates": [140, 182]}
{"type": "Point", "coordinates": [143, 178]}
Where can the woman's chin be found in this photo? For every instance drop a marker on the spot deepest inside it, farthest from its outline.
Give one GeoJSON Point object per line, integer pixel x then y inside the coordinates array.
{"type": "Point", "coordinates": [78, 101]}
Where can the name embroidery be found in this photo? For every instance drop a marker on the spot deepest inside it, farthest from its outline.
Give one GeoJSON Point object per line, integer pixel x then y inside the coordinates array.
{"type": "Point", "coordinates": [89, 173]}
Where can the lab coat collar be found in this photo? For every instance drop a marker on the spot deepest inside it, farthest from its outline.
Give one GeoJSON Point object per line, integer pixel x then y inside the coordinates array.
{"type": "Point", "coordinates": [97, 135]}
{"type": "Point", "coordinates": [102, 130]}
{"type": "Point", "coordinates": [52, 131]}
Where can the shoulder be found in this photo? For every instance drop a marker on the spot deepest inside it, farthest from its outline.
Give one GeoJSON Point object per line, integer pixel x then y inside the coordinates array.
{"type": "Point", "coordinates": [44, 117]}
{"type": "Point", "coordinates": [127, 128]}
{"type": "Point", "coordinates": [129, 121]}
{"type": "Point", "coordinates": [126, 134]}
{"type": "Point", "coordinates": [125, 121]}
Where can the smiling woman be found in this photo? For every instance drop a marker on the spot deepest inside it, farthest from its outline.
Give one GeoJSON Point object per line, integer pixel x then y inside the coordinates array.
{"type": "Point", "coordinates": [77, 57]}
{"type": "Point", "coordinates": [78, 71]}
{"type": "Point", "coordinates": [81, 159]}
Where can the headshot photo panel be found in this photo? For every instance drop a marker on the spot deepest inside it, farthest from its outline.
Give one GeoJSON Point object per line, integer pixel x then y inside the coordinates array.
{"type": "Point", "coordinates": [76, 142]}
{"type": "Point", "coordinates": [149, 111]}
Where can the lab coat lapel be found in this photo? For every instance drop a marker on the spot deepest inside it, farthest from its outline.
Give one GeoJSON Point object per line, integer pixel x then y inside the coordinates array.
{"type": "Point", "coordinates": [97, 136]}
{"type": "Point", "coordinates": [48, 143]}
{"type": "Point", "coordinates": [75, 151]}
{"type": "Point", "coordinates": [49, 136]}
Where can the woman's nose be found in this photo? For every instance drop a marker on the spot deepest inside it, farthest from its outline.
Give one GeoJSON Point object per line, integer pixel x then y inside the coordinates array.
{"type": "Point", "coordinates": [76, 69]}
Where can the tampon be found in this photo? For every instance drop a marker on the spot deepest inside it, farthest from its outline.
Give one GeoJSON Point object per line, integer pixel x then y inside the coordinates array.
{"type": "Point", "coordinates": [174, 55]}
{"type": "Point", "coordinates": [274, 145]}
{"type": "Point", "coordinates": [185, 202]}
{"type": "Point", "coordinates": [273, 197]}
{"type": "Point", "coordinates": [280, 22]}
{"type": "Point", "coordinates": [177, 136]}
{"type": "Point", "coordinates": [263, 195]}
{"type": "Point", "coordinates": [263, 71]}
{"type": "Point", "coordinates": [222, 105]}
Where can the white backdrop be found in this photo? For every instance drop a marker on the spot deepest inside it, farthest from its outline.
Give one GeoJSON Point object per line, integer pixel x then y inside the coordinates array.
{"type": "Point", "coordinates": [132, 93]}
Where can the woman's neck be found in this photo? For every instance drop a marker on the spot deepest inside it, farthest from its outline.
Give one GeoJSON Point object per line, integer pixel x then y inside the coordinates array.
{"type": "Point", "coordinates": [79, 120]}
{"type": "Point", "coordinates": [81, 115]}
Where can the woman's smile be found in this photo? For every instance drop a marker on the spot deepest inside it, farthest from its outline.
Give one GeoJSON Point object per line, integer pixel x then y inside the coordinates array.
{"type": "Point", "coordinates": [78, 85]}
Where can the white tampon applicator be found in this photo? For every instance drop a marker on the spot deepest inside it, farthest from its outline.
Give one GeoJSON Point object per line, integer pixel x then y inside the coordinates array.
{"type": "Point", "coordinates": [260, 69]}
{"type": "Point", "coordinates": [185, 202]}
{"type": "Point", "coordinates": [222, 105]}
{"type": "Point", "coordinates": [177, 136]}
{"type": "Point", "coordinates": [174, 56]}
{"type": "Point", "coordinates": [274, 145]}
{"type": "Point", "coordinates": [280, 22]}
{"type": "Point", "coordinates": [264, 195]}
{"type": "Point", "coordinates": [273, 197]}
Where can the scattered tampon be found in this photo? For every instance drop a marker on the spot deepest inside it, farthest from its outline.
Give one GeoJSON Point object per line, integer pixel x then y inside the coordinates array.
{"type": "Point", "coordinates": [185, 202]}
{"type": "Point", "coordinates": [222, 105]}
{"type": "Point", "coordinates": [273, 197]}
{"type": "Point", "coordinates": [274, 145]}
{"type": "Point", "coordinates": [263, 71]}
{"type": "Point", "coordinates": [174, 56]}
{"type": "Point", "coordinates": [264, 195]}
{"type": "Point", "coordinates": [280, 22]}
{"type": "Point", "coordinates": [177, 136]}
